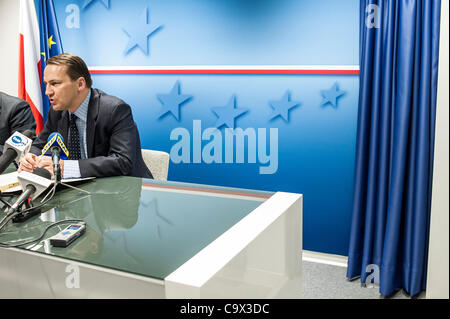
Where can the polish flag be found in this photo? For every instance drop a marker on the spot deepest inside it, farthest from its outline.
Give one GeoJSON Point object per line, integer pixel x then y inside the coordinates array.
{"type": "Point", "coordinates": [30, 61]}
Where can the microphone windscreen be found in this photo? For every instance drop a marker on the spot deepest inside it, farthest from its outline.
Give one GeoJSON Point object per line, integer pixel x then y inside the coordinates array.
{"type": "Point", "coordinates": [53, 134]}
{"type": "Point", "coordinates": [42, 172]}
{"type": "Point", "coordinates": [55, 140]}
{"type": "Point", "coordinates": [30, 134]}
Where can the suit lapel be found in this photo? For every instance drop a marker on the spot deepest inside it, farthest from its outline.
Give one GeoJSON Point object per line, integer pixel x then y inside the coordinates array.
{"type": "Point", "coordinates": [91, 121]}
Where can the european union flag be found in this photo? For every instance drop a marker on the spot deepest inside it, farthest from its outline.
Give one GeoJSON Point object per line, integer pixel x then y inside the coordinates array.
{"type": "Point", "coordinates": [50, 43]}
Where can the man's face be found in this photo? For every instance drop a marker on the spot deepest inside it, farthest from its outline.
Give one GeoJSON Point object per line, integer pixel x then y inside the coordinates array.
{"type": "Point", "coordinates": [61, 90]}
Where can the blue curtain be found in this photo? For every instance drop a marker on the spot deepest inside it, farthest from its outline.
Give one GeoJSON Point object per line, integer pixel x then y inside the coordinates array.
{"type": "Point", "coordinates": [399, 45]}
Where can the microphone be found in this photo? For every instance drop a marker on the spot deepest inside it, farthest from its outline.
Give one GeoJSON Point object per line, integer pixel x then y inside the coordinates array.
{"type": "Point", "coordinates": [33, 184]}
{"type": "Point", "coordinates": [15, 148]}
{"type": "Point", "coordinates": [57, 150]}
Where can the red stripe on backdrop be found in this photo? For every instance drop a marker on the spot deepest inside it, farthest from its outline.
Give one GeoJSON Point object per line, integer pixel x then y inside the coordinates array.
{"type": "Point", "coordinates": [231, 71]}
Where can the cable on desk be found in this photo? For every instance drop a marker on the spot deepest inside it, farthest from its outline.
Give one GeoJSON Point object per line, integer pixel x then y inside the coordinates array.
{"type": "Point", "coordinates": [6, 245]}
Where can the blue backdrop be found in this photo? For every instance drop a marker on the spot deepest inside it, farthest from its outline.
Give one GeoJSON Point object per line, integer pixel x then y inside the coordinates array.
{"type": "Point", "coordinates": [314, 115]}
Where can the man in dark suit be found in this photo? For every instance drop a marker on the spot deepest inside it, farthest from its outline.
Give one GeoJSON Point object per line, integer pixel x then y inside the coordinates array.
{"type": "Point", "coordinates": [15, 115]}
{"type": "Point", "coordinates": [98, 129]}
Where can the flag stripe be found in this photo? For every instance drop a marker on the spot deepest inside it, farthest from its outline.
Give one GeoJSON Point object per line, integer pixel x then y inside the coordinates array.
{"type": "Point", "coordinates": [36, 114]}
{"type": "Point", "coordinates": [22, 92]}
{"type": "Point", "coordinates": [29, 61]}
{"type": "Point", "coordinates": [33, 39]}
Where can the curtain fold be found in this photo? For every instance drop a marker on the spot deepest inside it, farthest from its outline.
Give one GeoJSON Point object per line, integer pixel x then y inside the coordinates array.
{"type": "Point", "coordinates": [395, 140]}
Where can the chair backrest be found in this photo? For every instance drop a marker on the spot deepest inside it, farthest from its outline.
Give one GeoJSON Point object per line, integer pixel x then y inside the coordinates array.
{"type": "Point", "coordinates": [157, 162]}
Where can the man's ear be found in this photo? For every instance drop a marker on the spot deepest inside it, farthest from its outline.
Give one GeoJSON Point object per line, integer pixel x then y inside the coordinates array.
{"type": "Point", "coordinates": [81, 83]}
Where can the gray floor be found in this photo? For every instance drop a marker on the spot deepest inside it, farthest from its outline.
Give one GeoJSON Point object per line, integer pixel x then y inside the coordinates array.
{"type": "Point", "coordinates": [322, 281]}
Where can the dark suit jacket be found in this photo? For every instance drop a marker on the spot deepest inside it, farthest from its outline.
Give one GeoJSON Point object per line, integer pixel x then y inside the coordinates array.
{"type": "Point", "coordinates": [15, 115]}
{"type": "Point", "coordinates": [113, 144]}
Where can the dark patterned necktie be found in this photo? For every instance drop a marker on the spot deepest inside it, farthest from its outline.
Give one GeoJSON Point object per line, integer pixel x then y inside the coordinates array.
{"type": "Point", "coordinates": [74, 139]}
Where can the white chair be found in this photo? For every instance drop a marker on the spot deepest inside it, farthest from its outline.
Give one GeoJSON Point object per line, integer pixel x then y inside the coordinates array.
{"type": "Point", "coordinates": [157, 162]}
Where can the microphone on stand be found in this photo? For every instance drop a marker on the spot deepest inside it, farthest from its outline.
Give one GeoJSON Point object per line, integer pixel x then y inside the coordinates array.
{"type": "Point", "coordinates": [33, 185]}
{"type": "Point", "coordinates": [15, 148]}
{"type": "Point", "coordinates": [57, 150]}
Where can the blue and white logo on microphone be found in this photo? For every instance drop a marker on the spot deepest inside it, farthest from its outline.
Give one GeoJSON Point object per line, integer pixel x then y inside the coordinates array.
{"type": "Point", "coordinates": [19, 141]}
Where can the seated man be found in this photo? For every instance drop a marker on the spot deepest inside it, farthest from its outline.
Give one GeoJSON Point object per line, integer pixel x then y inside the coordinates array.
{"type": "Point", "coordinates": [98, 129]}
{"type": "Point", "coordinates": [15, 115]}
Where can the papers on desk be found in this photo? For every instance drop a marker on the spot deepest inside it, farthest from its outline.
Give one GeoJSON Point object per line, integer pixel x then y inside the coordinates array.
{"type": "Point", "coordinates": [10, 184]}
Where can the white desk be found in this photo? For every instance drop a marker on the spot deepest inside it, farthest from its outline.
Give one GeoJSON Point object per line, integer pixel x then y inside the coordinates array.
{"type": "Point", "coordinates": [259, 256]}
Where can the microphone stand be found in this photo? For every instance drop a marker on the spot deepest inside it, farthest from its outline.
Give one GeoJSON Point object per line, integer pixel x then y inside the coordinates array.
{"type": "Point", "coordinates": [30, 211]}
{"type": "Point", "coordinates": [57, 174]}
{"type": "Point", "coordinates": [5, 203]}
{"type": "Point", "coordinates": [20, 216]}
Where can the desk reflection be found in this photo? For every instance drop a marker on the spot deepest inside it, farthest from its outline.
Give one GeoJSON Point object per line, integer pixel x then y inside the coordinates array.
{"type": "Point", "coordinates": [109, 209]}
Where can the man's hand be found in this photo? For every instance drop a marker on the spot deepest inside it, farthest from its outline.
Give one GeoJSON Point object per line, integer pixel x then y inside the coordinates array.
{"type": "Point", "coordinates": [47, 163]}
{"type": "Point", "coordinates": [28, 163]}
